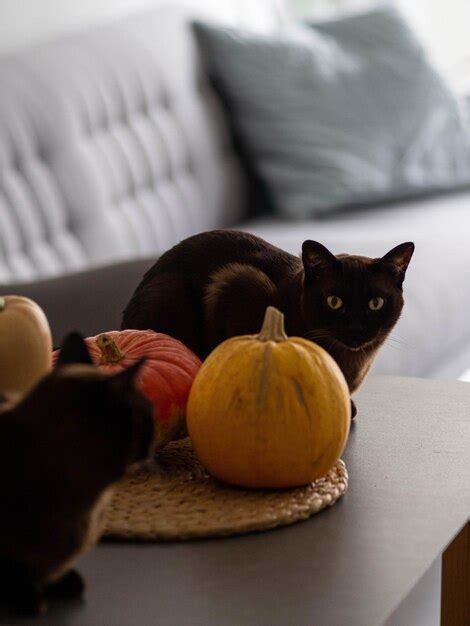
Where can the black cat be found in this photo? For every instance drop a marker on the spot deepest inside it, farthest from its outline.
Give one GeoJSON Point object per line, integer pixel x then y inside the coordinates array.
{"type": "Point", "coordinates": [218, 284]}
{"type": "Point", "coordinates": [61, 449]}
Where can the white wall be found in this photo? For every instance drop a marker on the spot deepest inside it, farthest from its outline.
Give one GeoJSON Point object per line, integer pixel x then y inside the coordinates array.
{"type": "Point", "coordinates": [442, 25]}
{"type": "Point", "coordinates": [26, 22]}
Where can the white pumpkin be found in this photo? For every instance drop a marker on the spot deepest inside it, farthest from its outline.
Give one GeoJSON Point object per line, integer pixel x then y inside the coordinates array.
{"type": "Point", "coordinates": [25, 344]}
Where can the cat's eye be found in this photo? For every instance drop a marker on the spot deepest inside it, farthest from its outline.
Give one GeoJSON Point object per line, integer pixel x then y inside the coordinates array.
{"type": "Point", "coordinates": [375, 304]}
{"type": "Point", "coordinates": [334, 302]}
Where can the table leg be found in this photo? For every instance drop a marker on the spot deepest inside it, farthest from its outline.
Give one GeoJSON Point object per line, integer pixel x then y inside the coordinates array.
{"type": "Point", "coordinates": [455, 589]}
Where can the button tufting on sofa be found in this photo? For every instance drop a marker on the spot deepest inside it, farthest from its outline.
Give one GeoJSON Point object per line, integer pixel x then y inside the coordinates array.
{"type": "Point", "coordinates": [109, 150]}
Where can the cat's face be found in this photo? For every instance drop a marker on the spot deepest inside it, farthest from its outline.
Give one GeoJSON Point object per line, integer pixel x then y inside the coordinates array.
{"type": "Point", "coordinates": [100, 419]}
{"type": "Point", "coordinates": [352, 301]}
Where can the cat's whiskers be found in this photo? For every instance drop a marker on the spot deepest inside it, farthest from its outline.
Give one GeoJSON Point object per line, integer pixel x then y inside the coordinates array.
{"type": "Point", "coordinates": [397, 345]}
{"type": "Point", "coordinates": [315, 335]}
{"type": "Point", "coordinates": [318, 335]}
{"type": "Point", "coordinates": [400, 341]}
{"type": "Point", "coordinates": [334, 343]}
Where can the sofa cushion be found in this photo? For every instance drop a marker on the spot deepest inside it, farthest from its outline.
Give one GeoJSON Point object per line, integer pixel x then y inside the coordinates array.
{"type": "Point", "coordinates": [343, 113]}
{"type": "Point", "coordinates": [112, 146]}
{"type": "Point", "coordinates": [435, 324]}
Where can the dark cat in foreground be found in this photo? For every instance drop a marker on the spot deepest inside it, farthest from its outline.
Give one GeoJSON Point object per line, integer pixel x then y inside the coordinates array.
{"type": "Point", "coordinates": [218, 284]}
{"type": "Point", "coordinates": [61, 449]}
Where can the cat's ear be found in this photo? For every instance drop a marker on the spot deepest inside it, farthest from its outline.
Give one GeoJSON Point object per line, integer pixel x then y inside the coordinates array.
{"type": "Point", "coordinates": [126, 378]}
{"type": "Point", "coordinates": [74, 350]}
{"type": "Point", "coordinates": [316, 257]}
{"type": "Point", "coordinates": [398, 259]}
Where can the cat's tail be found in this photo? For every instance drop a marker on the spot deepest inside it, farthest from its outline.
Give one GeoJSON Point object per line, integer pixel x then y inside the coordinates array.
{"type": "Point", "coordinates": [235, 301]}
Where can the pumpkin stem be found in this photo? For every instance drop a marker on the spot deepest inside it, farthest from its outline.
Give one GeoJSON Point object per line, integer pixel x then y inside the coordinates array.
{"type": "Point", "coordinates": [110, 353]}
{"type": "Point", "coordinates": [3, 304]}
{"type": "Point", "coordinates": [273, 326]}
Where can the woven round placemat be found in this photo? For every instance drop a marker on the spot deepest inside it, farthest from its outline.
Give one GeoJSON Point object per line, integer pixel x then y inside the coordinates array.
{"type": "Point", "coordinates": [174, 498]}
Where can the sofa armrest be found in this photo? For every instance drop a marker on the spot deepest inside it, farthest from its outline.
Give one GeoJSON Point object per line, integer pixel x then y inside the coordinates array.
{"type": "Point", "coordinates": [90, 302]}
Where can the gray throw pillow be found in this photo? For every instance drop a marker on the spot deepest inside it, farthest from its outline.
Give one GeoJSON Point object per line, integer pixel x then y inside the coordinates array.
{"type": "Point", "coordinates": [340, 113]}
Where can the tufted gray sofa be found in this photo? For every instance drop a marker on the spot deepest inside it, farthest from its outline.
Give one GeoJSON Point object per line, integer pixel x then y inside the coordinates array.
{"type": "Point", "coordinates": [113, 147]}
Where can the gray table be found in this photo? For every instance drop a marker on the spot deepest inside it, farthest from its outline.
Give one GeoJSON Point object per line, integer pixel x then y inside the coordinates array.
{"type": "Point", "coordinates": [409, 497]}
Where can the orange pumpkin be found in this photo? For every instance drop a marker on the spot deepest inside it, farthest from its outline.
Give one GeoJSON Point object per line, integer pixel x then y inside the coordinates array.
{"type": "Point", "coordinates": [165, 378]}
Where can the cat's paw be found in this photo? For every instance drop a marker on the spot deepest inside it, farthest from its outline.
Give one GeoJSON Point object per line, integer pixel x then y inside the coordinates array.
{"type": "Point", "coordinates": [71, 585]}
{"type": "Point", "coordinates": [353, 410]}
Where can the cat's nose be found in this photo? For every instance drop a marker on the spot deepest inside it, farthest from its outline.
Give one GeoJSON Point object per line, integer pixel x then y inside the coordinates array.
{"type": "Point", "coordinates": [356, 327]}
